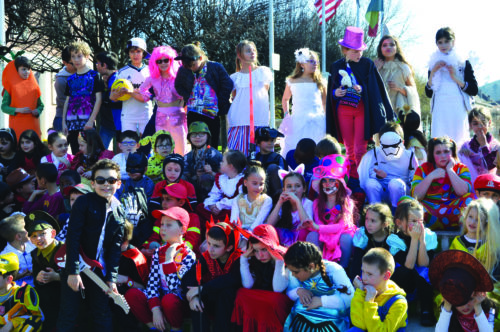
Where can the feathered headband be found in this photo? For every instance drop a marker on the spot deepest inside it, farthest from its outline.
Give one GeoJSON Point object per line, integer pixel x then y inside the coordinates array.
{"type": "Point", "coordinates": [300, 169]}
{"type": "Point", "coordinates": [302, 55]}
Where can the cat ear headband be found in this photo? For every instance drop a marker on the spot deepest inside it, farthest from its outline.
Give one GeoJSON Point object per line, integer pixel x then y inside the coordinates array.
{"type": "Point", "coordinates": [300, 169]}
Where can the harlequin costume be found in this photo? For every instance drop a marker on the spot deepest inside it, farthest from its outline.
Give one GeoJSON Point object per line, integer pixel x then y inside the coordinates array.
{"type": "Point", "coordinates": [442, 206]}
{"type": "Point", "coordinates": [20, 304]}
{"type": "Point", "coordinates": [18, 93]}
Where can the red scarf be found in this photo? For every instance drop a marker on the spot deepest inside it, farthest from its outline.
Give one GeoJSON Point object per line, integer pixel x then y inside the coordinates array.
{"type": "Point", "coordinates": [214, 267]}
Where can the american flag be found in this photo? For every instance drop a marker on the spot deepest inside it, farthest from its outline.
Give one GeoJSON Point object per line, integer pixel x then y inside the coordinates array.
{"type": "Point", "coordinates": [330, 8]}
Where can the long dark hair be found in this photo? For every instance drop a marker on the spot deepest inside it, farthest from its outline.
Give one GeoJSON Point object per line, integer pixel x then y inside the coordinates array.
{"type": "Point", "coordinates": [399, 51]}
{"type": "Point", "coordinates": [94, 145]}
{"type": "Point", "coordinates": [39, 151]}
{"type": "Point", "coordinates": [286, 220]}
{"type": "Point", "coordinates": [433, 142]}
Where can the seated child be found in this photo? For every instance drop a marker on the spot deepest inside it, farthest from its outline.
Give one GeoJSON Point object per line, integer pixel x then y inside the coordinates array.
{"type": "Point", "coordinates": [488, 186]}
{"type": "Point", "coordinates": [163, 300]}
{"type": "Point", "coordinates": [91, 150]}
{"type": "Point", "coordinates": [173, 168]}
{"type": "Point", "coordinates": [463, 282]}
{"type": "Point", "coordinates": [17, 315]}
{"type": "Point", "coordinates": [8, 158]}
{"type": "Point", "coordinates": [304, 154]}
{"type": "Point", "coordinates": [72, 192]}
{"type": "Point", "coordinates": [378, 303]}
{"type": "Point", "coordinates": [30, 151]}
{"type": "Point", "coordinates": [136, 166]}
{"type": "Point", "coordinates": [320, 289]}
{"type": "Point", "coordinates": [163, 145]}
{"type": "Point", "coordinates": [58, 144]}
{"type": "Point", "coordinates": [265, 139]}
{"type": "Point", "coordinates": [128, 142]}
{"type": "Point", "coordinates": [68, 178]}
{"type": "Point", "coordinates": [261, 304]}
{"type": "Point", "coordinates": [413, 259]}
{"type": "Point", "coordinates": [252, 207]}
{"type": "Point", "coordinates": [7, 204]}
{"type": "Point", "coordinates": [42, 229]}
{"type": "Point", "coordinates": [219, 268]}
{"type": "Point", "coordinates": [292, 208]}
{"type": "Point", "coordinates": [203, 161]}
{"type": "Point", "coordinates": [47, 197]}
{"type": "Point", "coordinates": [13, 231]}
{"type": "Point", "coordinates": [414, 139]}
{"type": "Point", "coordinates": [22, 184]}
{"type": "Point", "coordinates": [480, 153]}
{"type": "Point", "coordinates": [376, 231]}
{"type": "Point", "coordinates": [228, 185]}
{"type": "Point", "coordinates": [385, 172]}
{"type": "Point", "coordinates": [327, 146]}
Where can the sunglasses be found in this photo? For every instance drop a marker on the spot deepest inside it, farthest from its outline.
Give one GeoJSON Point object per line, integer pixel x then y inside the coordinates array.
{"type": "Point", "coordinates": [101, 180]}
{"type": "Point", "coordinates": [160, 61]}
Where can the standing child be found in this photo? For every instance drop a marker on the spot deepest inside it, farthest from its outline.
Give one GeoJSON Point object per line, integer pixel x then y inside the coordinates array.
{"type": "Point", "coordinates": [378, 303]}
{"type": "Point", "coordinates": [83, 95]}
{"type": "Point", "coordinates": [203, 161]}
{"type": "Point", "coordinates": [8, 159]}
{"type": "Point", "coordinates": [451, 84]}
{"type": "Point", "coordinates": [59, 156]}
{"type": "Point", "coordinates": [163, 301]}
{"type": "Point", "coordinates": [128, 142]}
{"type": "Point", "coordinates": [60, 85]}
{"type": "Point", "coordinates": [321, 290]}
{"type": "Point", "coordinates": [292, 208]}
{"type": "Point", "coordinates": [413, 259]}
{"type": "Point", "coordinates": [163, 145]}
{"type": "Point", "coordinates": [170, 116]}
{"type": "Point", "coordinates": [261, 304]}
{"type": "Point", "coordinates": [307, 89]}
{"type": "Point", "coordinates": [238, 117]}
{"type": "Point", "coordinates": [228, 184]}
{"type": "Point", "coordinates": [480, 153]}
{"type": "Point", "coordinates": [334, 211]}
{"type": "Point", "coordinates": [252, 206]}
{"type": "Point", "coordinates": [30, 151]}
{"type": "Point", "coordinates": [357, 105]}
{"type": "Point", "coordinates": [91, 150]}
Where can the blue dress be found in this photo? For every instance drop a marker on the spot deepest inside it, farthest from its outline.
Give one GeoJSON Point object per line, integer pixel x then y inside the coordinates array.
{"type": "Point", "coordinates": [334, 317]}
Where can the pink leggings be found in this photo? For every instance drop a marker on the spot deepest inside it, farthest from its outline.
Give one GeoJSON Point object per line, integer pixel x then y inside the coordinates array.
{"type": "Point", "coordinates": [352, 129]}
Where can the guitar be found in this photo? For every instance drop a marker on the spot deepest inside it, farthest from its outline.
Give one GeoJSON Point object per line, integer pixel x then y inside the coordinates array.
{"type": "Point", "coordinates": [86, 266]}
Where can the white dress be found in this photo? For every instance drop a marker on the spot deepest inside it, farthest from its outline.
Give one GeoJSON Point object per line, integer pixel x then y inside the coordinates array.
{"type": "Point", "coordinates": [308, 116]}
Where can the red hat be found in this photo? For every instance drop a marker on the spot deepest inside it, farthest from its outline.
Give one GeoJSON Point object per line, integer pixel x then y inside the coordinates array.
{"type": "Point", "coordinates": [267, 235]}
{"type": "Point", "coordinates": [176, 190]}
{"type": "Point", "coordinates": [176, 213]}
{"type": "Point", "coordinates": [489, 182]}
{"type": "Point", "coordinates": [17, 177]}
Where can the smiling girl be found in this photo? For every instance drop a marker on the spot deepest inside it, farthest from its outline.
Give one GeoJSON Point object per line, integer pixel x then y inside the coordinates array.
{"type": "Point", "coordinates": [58, 144]}
{"type": "Point", "coordinates": [30, 151]}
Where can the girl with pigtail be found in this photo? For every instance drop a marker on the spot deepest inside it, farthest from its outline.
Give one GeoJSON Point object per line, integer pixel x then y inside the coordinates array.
{"type": "Point", "coordinates": [321, 290]}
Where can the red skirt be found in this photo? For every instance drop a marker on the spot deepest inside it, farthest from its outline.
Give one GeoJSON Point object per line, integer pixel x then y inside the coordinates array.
{"type": "Point", "coordinates": [260, 310]}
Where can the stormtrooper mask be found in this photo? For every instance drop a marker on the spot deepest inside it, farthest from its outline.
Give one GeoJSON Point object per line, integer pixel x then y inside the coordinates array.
{"type": "Point", "coordinates": [391, 145]}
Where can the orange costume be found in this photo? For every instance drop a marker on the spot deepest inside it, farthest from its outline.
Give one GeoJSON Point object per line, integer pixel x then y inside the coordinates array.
{"type": "Point", "coordinates": [18, 93]}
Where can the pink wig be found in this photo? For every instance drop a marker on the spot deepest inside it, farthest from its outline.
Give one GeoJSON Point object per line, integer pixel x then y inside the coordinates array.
{"type": "Point", "coordinates": [163, 52]}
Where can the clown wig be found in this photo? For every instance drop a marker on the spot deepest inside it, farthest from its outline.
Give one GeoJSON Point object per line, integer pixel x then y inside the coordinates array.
{"type": "Point", "coordinates": [161, 52]}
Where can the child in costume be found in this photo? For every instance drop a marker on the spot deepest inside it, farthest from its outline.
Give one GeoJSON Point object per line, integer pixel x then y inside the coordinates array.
{"type": "Point", "coordinates": [463, 282]}
{"type": "Point", "coordinates": [202, 163]}
{"type": "Point", "coordinates": [415, 252]}
{"type": "Point", "coordinates": [59, 156]}
{"type": "Point", "coordinates": [292, 209]}
{"type": "Point", "coordinates": [480, 153]}
{"type": "Point", "coordinates": [378, 303]}
{"type": "Point", "coordinates": [170, 116]}
{"type": "Point", "coordinates": [450, 86]}
{"type": "Point", "coordinates": [320, 289]}
{"type": "Point", "coordinates": [21, 312]}
{"type": "Point", "coordinates": [488, 186]}
{"type": "Point", "coordinates": [238, 118]}
{"type": "Point", "coordinates": [135, 167]}
{"type": "Point", "coordinates": [30, 151]}
{"type": "Point", "coordinates": [261, 304]}
{"type": "Point", "coordinates": [173, 168]}
{"type": "Point", "coordinates": [128, 142]}
{"type": "Point", "coordinates": [42, 229]}
{"type": "Point", "coordinates": [307, 89]}
{"type": "Point", "coordinates": [8, 155]}
{"type": "Point", "coordinates": [163, 145]}
{"type": "Point", "coordinates": [386, 171]}
{"type": "Point", "coordinates": [334, 212]}
{"type": "Point", "coordinates": [219, 269]}
{"type": "Point", "coordinates": [414, 139]}
{"type": "Point", "coordinates": [21, 97]}
{"type": "Point", "coordinates": [170, 264]}
{"type": "Point", "coordinates": [357, 105]}
{"type": "Point", "coordinates": [252, 206]}
{"type": "Point", "coordinates": [442, 185]}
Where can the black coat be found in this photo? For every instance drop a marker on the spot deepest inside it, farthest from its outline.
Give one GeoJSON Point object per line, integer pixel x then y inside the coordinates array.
{"type": "Point", "coordinates": [84, 230]}
{"type": "Point", "coordinates": [216, 77]}
{"type": "Point", "coordinates": [378, 109]}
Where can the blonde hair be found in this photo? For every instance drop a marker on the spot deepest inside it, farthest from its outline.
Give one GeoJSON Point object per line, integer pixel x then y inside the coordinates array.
{"type": "Point", "coordinates": [80, 46]}
{"type": "Point", "coordinates": [487, 232]}
{"type": "Point", "coordinates": [316, 76]}
{"type": "Point", "coordinates": [239, 52]}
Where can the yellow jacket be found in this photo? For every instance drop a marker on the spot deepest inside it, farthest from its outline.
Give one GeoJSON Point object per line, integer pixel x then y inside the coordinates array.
{"type": "Point", "coordinates": [364, 314]}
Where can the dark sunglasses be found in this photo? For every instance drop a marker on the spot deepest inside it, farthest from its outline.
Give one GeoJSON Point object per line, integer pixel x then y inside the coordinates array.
{"type": "Point", "coordinates": [101, 180]}
{"type": "Point", "coordinates": [160, 61]}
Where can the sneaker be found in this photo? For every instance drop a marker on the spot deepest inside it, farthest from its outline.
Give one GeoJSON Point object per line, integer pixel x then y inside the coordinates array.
{"type": "Point", "coordinates": [427, 319]}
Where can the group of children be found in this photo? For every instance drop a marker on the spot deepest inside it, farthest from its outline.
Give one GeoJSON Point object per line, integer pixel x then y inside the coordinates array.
{"type": "Point", "coordinates": [248, 239]}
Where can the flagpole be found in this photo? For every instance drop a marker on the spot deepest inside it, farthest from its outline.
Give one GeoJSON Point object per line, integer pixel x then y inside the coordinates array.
{"type": "Point", "coordinates": [323, 39]}
{"type": "Point", "coordinates": [272, 122]}
{"type": "Point", "coordinates": [358, 19]}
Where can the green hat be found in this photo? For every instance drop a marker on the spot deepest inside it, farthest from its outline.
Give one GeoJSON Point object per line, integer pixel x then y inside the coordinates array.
{"type": "Point", "coordinates": [39, 221]}
{"type": "Point", "coordinates": [8, 263]}
{"type": "Point", "coordinates": [198, 127]}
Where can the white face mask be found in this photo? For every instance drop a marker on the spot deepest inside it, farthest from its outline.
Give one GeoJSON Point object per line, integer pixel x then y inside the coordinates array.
{"type": "Point", "coordinates": [330, 191]}
{"type": "Point", "coordinates": [392, 146]}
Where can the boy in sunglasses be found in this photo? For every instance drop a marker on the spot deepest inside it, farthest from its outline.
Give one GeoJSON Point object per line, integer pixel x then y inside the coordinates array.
{"type": "Point", "coordinates": [386, 171]}
{"type": "Point", "coordinates": [96, 228]}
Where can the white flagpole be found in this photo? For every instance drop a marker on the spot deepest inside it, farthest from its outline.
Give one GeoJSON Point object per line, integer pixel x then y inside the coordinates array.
{"type": "Point", "coordinates": [358, 18]}
{"type": "Point", "coordinates": [272, 122]}
{"type": "Point", "coordinates": [323, 39]}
